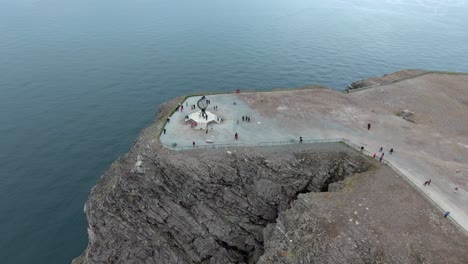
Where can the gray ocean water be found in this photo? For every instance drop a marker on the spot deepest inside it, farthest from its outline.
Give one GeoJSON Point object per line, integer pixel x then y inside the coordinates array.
{"type": "Point", "coordinates": [80, 79]}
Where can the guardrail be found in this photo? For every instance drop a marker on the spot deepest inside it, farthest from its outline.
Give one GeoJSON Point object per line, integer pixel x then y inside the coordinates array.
{"type": "Point", "coordinates": [260, 144]}
{"type": "Point", "coordinates": [318, 141]}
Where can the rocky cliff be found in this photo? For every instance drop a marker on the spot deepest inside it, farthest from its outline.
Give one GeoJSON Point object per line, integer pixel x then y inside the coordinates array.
{"type": "Point", "coordinates": [260, 205]}
{"type": "Point", "coordinates": [154, 206]}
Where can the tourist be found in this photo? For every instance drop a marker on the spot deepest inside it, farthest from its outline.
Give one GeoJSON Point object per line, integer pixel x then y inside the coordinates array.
{"type": "Point", "coordinates": [381, 149]}
{"type": "Point", "coordinates": [242, 118]}
{"type": "Point", "coordinates": [164, 131]}
{"type": "Point", "coordinates": [300, 139]}
{"type": "Point", "coordinates": [368, 126]}
{"type": "Point", "coordinates": [236, 136]}
{"type": "Point", "coordinates": [168, 120]}
{"type": "Point", "coordinates": [375, 154]}
{"type": "Point", "coordinates": [181, 108]}
{"type": "Point", "coordinates": [391, 151]}
{"type": "Point", "coordinates": [380, 160]}
{"type": "Point", "coordinates": [206, 130]}
{"type": "Point", "coordinates": [428, 182]}
{"type": "Point", "coordinates": [193, 143]}
{"type": "Point", "coordinates": [382, 154]}
{"type": "Point", "coordinates": [446, 214]}
{"type": "Point", "coordinates": [362, 149]}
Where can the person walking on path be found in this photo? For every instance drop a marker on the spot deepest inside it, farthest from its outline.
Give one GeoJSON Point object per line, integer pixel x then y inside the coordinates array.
{"type": "Point", "coordinates": [368, 126]}
{"type": "Point", "coordinates": [391, 151]}
{"type": "Point", "coordinates": [428, 182]}
{"type": "Point", "coordinates": [382, 155]}
{"type": "Point", "coordinates": [242, 118]}
{"type": "Point", "coordinates": [181, 108]}
{"type": "Point", "coordinates": [164, 131]}
{"type": "Point", "coordinates": [300, 139]}
{"type": "Point", "coordinates": [362, 149]}
{"type": "Point", "coordinates": [236, 136]}
{"type": "Point", "coordinates": [375, 154]}
{"type": "Point", "coordinates": [380, 160]}
{"type": "Point", "coordinates": [381, 149]}
{"type": "Point", "coordinates": [446, 214]}
{"type": "Point", "coordinates": [193, 143]}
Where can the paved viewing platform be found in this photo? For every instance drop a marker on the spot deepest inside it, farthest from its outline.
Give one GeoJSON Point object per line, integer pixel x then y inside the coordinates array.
{"type": "Point", "coordinates": [430, 144]}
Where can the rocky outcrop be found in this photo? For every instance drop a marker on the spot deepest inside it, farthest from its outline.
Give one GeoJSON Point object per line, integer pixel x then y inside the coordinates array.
{"type": "Point", "coordinates": [385, 79]}
{"type": "Point", "coordinates": [156, 206]}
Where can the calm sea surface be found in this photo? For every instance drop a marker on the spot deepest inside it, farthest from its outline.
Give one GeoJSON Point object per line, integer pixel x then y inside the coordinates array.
{"type": "Point", "coordinates": [80, 79]}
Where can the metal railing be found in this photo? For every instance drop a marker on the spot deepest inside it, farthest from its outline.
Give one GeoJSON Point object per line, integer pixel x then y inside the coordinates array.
{"type": "Point", "coordinates": [210, 146]}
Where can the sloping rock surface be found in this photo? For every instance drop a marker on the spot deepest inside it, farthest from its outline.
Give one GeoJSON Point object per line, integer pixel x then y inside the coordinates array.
{"type": "Point", "coordinates": [157, 206]}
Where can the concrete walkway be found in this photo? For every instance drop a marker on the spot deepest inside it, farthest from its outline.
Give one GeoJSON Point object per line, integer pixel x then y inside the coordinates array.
{"type": "Point", "coordinates": [426, 149]}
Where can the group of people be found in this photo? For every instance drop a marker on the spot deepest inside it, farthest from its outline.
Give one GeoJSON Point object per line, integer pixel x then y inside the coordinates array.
{"type": "Point", "coordinates": [380, 151]}
{"type": "Point", "coordinates": [180, 107]}
{"type": "Point", "coordinates": [246, 118]}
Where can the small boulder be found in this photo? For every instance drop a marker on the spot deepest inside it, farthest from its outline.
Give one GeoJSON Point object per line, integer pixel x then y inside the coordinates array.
{"type": "Point", "coordinates": [408, 115]}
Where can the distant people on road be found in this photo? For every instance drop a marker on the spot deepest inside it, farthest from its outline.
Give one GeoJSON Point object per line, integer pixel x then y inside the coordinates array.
{"type": "Point", "coordinates": [446, 214]}
{"type": "Point", "coordinates": [381, 149]}
{"type": "Point", "coordinates": [242, 118]}
{"type": "Point", "coordinates": [168, 120]}
{"type": "Point", "coordinates": [428, 182]}
{"type": "Point", "coordinates": [300, 139]}
{"type": "Point", "coordinates": [164, 130]}
{"type": "Point", "coordinates": [391, 151]}
{"type": "Point", "coordinates": [236, 136]}
{"type": "Point", "coordinates": [375, 154]}
{"type": "Point", "coordinates": [193, 143]}
{"type": "Point", "coordinates": [368, 126]}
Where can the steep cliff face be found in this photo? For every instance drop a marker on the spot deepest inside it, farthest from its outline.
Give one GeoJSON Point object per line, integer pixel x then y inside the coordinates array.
{"type": "Point", "coordinates": [157, 206]}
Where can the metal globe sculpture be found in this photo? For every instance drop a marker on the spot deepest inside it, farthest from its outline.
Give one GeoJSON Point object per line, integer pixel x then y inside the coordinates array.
{"type": "Point", "coordinates": [203, 105]}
